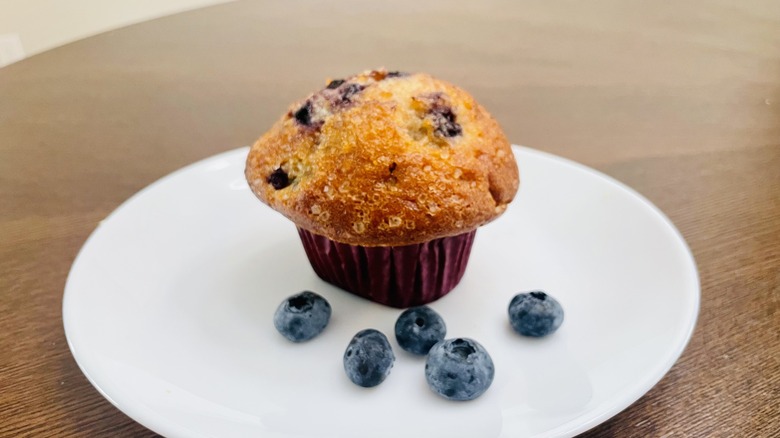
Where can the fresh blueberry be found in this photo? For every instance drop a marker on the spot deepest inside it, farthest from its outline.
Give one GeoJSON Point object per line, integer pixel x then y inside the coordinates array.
{"type": "Point", "coordinates": [368, 358]}
{"type": "Point", "coordinates": [418, 329]}
{"type": "Point", "coordinates": [278, 179]}
{"type": "Point", "coordinates": [302, 316]}
{"type": "Point", "coordinates": [535, 314]}
{"type": "Point", "coordinates": [459, 369]}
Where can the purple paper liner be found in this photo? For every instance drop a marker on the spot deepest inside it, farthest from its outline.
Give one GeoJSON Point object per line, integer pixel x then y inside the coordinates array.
{"type": "Point", "coordinates": [397, 276]}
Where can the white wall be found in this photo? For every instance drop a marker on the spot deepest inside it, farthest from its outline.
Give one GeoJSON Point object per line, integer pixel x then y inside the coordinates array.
{"type": "Point", "coordinates": [28, 27]}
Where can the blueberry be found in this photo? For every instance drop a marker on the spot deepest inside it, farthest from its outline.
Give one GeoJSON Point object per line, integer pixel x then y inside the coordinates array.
{"type": "Point", "coordinates": [396, 74]}
{"type": "Point", "coordinates": [459, 369]}
{"type": "Point", "coordinates": [349, 91]}
{"type": "Point", "coordinates": [535, 314]}
{"type": "Point", "coordinates": [446, 125]}
{"type": "Point", "coordinates": [418, 329]}
{"type": "Point", "coordinates": [444, 119]}
{"type": "Point", "coordinates": [302, 316]}
{"type": "Point", "coordinates": [335, 84]}
{"type": "Point", "coordinates": [303, 115]}
{"type": "Point", "coordinates": [278, 179]}
{"type": "Point", "coordinates": [368, 358]}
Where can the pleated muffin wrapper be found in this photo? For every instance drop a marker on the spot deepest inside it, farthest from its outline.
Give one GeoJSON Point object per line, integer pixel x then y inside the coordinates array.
{"type": "Point", "coordinates": [397, 276]}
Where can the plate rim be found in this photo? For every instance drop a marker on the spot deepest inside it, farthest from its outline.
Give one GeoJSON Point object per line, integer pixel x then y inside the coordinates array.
{"type": "Point", "coordinates": [575, 426]}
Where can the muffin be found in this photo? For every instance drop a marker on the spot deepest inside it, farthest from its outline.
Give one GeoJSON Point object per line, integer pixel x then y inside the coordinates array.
{"type": "Point", "coordinates": [387, 177]}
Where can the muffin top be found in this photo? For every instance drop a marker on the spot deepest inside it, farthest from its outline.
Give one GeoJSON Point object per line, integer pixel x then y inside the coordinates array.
{"type": "Point", "coordinates": [385, 159]}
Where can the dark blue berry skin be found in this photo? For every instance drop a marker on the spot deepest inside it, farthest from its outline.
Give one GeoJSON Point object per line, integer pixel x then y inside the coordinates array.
{"type": "Point", "coordinates": [303, 115]}
{"type": "Point", "coordinates": [459, 369]}
{"type": "Point", "coordinates": [302, 316]}
{"type": "Point", "coordinates": [535, 314]}
{"type": "Point", "coordinates": [418, 329]}
{"type": "Point", "coordinates": [335, 84]}
{"type": "Point", "coordinates": [368, 358]}
{"type": "Point", "coordinates": [278, 179]}
{"type": "Point", "coordinates": [444, 119]}
{"type": "Point", "coordinates": [348, 92]}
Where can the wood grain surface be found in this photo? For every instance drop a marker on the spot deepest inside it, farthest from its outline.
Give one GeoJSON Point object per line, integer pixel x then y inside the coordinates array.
{"type": "Point", "coordinates": [680, 100]}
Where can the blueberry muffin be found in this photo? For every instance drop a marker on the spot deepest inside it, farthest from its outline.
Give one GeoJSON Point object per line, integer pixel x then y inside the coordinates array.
{"type": "Point", "coordinates": [387, 176]}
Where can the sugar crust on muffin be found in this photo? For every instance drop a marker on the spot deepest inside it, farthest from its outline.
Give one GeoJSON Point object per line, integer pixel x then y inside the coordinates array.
{"type": "Point", "coordinates": [385, 159]}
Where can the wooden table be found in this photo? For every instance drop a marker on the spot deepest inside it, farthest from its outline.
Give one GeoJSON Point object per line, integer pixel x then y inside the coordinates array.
{"type": "Point", "coordinates": [680, 100]}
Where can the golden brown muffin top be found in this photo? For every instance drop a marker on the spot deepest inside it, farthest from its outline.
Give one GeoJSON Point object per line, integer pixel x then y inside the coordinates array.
{"type": "Point", "coordinates": [385, 158]}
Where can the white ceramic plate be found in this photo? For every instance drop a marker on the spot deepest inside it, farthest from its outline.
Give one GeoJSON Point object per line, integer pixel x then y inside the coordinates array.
{"type": "Point", "coordinates": [168, 311]}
